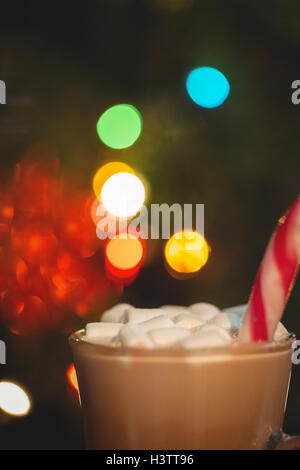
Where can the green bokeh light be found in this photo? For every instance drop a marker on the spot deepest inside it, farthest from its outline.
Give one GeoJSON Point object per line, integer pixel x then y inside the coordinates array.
{"type": "Point", "coordinates": [119, 126]}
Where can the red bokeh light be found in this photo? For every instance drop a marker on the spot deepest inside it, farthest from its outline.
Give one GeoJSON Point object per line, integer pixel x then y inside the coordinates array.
{"type": "Point", "coordinates": [51, 261]}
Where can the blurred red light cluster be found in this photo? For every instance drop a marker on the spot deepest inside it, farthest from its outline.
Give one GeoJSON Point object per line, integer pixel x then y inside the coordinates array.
{"type": "Point", "coordinates": [51, 263]}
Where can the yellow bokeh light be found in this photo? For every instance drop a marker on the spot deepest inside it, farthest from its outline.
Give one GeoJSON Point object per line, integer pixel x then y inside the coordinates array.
{"type": "Point", "coordinates": [105, 172]}
{"type": "Point", "coordinates": [13, 399]}
{"type": "Point", "coordinates": [125, 253]}
{"type": "Point", "coordinates": [123, 194]}
{"type": "Point", "coordinates": [187, 251]}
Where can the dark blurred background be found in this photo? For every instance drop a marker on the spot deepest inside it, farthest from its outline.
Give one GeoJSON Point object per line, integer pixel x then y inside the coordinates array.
{"type": "Point", "coordinates": [64, 63]}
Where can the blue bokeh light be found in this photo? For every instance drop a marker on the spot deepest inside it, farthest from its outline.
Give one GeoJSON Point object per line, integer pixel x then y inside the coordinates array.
{"type": "Point", "coordinates": [207, 87]}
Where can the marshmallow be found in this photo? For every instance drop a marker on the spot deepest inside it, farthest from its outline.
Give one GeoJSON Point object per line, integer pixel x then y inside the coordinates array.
{"type": "Point", "coordinates": [187, 320]}
{"type": "Point", "coordinates": [138, 315]}
{"type": "Point", "coordinates": [227, 321]}
{"type": "Point", "coordinates": [281, 332]}
{"type": "Point", "coordinates": [174, 310]}
{"type": "Point", "coordinates": [238, 310]}
{"type": "Point", "coordinates": [102, 341]}
{"type": "Point", "coordinates": [132, 336]}
{"type": "Point", "coordinates": [206, 337]}
{"type": "Point", "coordinates": [102, 330]}
{"type": "Point", "coordinates": [115, 314]}
{"type": "Point", "coordinates": [172, 315]}
{"type": "Point", "coordinates": [201, 325]}
{"type": "Point", "coordinates": [162, 321]}
{"type": "Point", "coordinates": [204, 311]}
{"type": "Point", "coordinates": [164, 337]}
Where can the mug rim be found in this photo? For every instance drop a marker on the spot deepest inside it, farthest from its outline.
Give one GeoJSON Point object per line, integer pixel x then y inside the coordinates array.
{"type": "Point", "coordinates": [231, 350]}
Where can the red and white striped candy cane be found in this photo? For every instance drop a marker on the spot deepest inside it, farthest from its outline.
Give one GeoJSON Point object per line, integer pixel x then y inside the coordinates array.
{"type": "Point", "coordinates": [274, 280]}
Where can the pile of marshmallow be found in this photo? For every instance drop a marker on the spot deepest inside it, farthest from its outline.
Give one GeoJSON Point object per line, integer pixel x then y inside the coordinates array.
{"type": "Point", "coordinates": [200, 325]}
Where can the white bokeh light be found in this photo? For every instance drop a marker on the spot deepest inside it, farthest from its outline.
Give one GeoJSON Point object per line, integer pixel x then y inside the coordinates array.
{"type": "Point", "coordinates": [13, 399]}
{"type": "Point", "coordinates": [123, 194]}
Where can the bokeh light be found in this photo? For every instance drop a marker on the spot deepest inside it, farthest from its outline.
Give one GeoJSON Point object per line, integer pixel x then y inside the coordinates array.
{"type": "Point", "coordinates": [207, 87]}
{"type": "Point", "coordinates": [26, 314]}
{"type": "Point", "coordinates": [13, 399]}
{"type": "Point", "coordinates": [72, 377]}
{"type": "Point", "coordinates": [119, 126]}
{"type": "Point", "coordinates": [124, 253]}
{"type": "Point", "coordinates": [187, 254]}
{"type": "Point", "coordinates": [105, 172]}
{"type": "Point", "coordinates": [123, 194]}
{"type": "Point", "coordinates": [51, 261]}
{"type": "Point", "coordinates": [123, 257]}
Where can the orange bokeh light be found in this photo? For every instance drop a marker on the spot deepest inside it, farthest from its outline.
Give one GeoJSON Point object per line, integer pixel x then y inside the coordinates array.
{"type": "Point", "coordinates": [8, 212]}
{"type": "Point", "coordinates": [124, 253]}
{"type": "Point", "coordinates": [123, 258]}
{"type": "Point", "coordinates": [105, 172]}
{"type": "Point", "coordinates": [72, 377]}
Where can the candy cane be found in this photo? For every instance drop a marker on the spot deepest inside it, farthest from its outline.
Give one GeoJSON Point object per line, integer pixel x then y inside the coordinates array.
{"type": "Point", "coordinates": [274, 280]}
